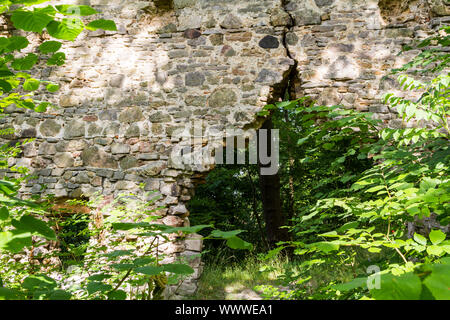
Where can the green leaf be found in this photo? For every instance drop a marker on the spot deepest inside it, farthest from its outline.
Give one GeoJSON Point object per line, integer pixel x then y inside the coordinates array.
{"type": "Point", "coordinates": [99, 277]}
{"type": "Point", "coordinates": [150, 270]}
{"type": "Point", "coordinates": [375, 189]}
{"type": "Point", "coordinates": [355, 283]}
{"type": "Point", "coordinates": [117, 253]}
{"type": "Point", "coordinates": [16, 43]}
{"type": "Point", "coordinates": [59, 295]}
{"type": "Point", "coordinates": [25, 63]}
{"type": "Point", "coordinates": [348, 225]}
{"type": "Point", "coordinates": [142, 261]}
{"type": "Point", "coordinates": [4, 213]}
{"type": "Point", "coordinates": [434, 250]}
{"type": "Point", "coordinates": [437, 236]}
{"type": "Point", "coordinates": [58, 59]}
{"type": "Point", "coordinates": [9, 294]}
{"type": "Point", "coordinates": [39, 282]}
{"type": "Point", "coordinates": [117, 295]}
{"type": "Point", "coordinates": [178, 268]}
{"type": "Point", "coordinates": [6, 73]}
{"type": "Point", "coordinates": [52, 87]}
{"type": "Point", "coordinates": [29, 2]}
{"type": "Point", "coordinates": [225, 234]}
{"type": "Point", "coordinates": [5, 86]}
{"type": "Point", "coordinates": [66, 29]}
{"type": "Point", "coordinates": [50, 46]}
{"type": "Point", "coordinates": [30, 21]}
{"type": "Point", "coordinates": [108, 25]}
{"type": "Point", "coordinates": [31, 84]}
{"type": "Point", "coordinates": [238, 243]}
{"type": "Point", "coordinates": [438, 282]}
{"type": "Point", "coordinates": [14, 241]}
{"type": "Point", "coordinates": [326, 246]}
{"type": "Point", "coordinates": [42, 107]}
{"type": "Point", "coordinates": [37, 227]}
{"type": "Point", "coordinates": [94, 287]}
{"type": "Point", "coordinates": [122, 266]}
{"type": "Point", "coordinates": [420, 239]}
{"type": "Point", "coordinates": [82, 10]}
{"type": "Point", "coordinates": [404, 287]}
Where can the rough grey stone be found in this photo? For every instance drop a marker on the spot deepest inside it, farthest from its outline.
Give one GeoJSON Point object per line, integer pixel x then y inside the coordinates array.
{"type": "Point", "coordinates": [159, 117]}
{"type": "Point", "coordinates": [131, 114]}
{"type": "Point", "coordinates": [222, 98]}
{"type": "Point", "coordinates": [128, 162]}
{"type": "Point", "coordinates": [269, 76]}
{"type": "Point", "coordinates": [194, 79]}
{"type": "Point", "coordinates": [95, 157]}
{"type": "Point", "coordinates": [231, 22]}
{"type": "Point", "coordinates": [74, 129]}
{"type": "Point", "coordinates": [50, 128]}
{"type": "Point", "coordinates": [120, 148]}
{"type": "Point", "coordinates": [63, 159]}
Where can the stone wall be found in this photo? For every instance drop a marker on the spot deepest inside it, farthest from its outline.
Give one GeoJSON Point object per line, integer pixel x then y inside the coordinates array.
{"type": "Point", "coordinates": [125, 95]}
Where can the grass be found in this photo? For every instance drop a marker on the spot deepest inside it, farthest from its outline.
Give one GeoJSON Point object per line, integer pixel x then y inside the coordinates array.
{"type": "Point", "coordinates": [236, 281]}
{"type": "Point", "coordinates": [223, 280]}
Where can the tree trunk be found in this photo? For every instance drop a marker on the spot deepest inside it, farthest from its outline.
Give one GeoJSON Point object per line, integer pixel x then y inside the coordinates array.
{"type": "Point", "coordinates": [270, 192]}
{"type": "Point", "coordinates": [291, 202]}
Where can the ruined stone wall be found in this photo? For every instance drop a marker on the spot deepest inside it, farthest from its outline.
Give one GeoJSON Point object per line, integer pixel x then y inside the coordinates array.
{"type": "Point", "coordinates": [126, 94]}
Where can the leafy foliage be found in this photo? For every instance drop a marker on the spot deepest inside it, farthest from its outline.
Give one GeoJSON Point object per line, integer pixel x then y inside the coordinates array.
{"type": "Point", "coordinates": [407, 183]}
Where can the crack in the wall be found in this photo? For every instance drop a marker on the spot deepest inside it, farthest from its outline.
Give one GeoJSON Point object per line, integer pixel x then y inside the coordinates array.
{"type": "Point", "coordinates": [286, 88]}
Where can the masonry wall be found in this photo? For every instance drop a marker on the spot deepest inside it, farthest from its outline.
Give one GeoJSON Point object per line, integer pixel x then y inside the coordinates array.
{"type": "Point", "coordinates": [127, 95]}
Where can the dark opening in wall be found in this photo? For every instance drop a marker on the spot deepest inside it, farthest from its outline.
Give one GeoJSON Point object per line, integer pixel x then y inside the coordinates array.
{"type": "Point", "coordinates": [401, 11]}
{"type": "Point", "coordinates": [392, 10]}
{"type": "Point", "coordinates": [163, 5]}
{"type": "Point", "coordinates": [72, 219]}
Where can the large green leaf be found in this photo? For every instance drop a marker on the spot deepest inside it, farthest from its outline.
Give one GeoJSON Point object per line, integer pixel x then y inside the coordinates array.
{"type": "Point", "coordinates": [39, 282]}
{"type": "Point", "coordinates": [16, 43]}
{"type": "Point", "coordinates": [30, 21]}
{"type": "Point", "coordinates": [66, 29]}
{"type": "Point", "coordinates": [51, 87]}
{"type": "Point", "coordinates": [4, 213]}
{"type": "Point", "coordinates": [122, 266]}
{"type": "Point", "coordinates": [36, 226]}
{"type": "Point", "coordinates": [5, 86]}
{"type": "Point", "coordinates": [31, 84]}
{"type": "Point", "coordinates": [355, 283]}
{"type": "Point", "coordinates": [94, 287]}
{"type": "Point", "coordinates": [108, 25]}
{"type": "Point", "coordinates": [28, 2]}
{"type": "Point", "coordinates": [178, 268]}
{"type": "Point", "coordinates": [438, 282]}
{"type": "Point", "coordinates": [50, 46]}
{"type": "Point", "coordinates": [150, 270]}
{"type": "Point", "coordinates": [9, 294]}
{"type": "Point", "coordinates": [238, 243]}
{"type": "Point", "coordinates": [25, 63]}
{"type": "Point", "coordinates": [58, 59]}
{"type": "Point", "coordinates": [99, 277]}
{"type": "Point", "coordinates": [420, 239]}
{"type": "Point", "coordinates": [82, 10]}
{"type": "Point", "coordinates": [437, 236]}
{"type": "Point", "coordinates": [59, 295]}
{"type": "Point", "coordinates": [326, 246]}
{"type": "Point", "coordinates": [117, 295]}
{"type": "Point", "coordinates": [225, 234]}
{"type": "Point", "coordinates": [404, 287]}
{"type": "Point", "coordinates": [14, 241]}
